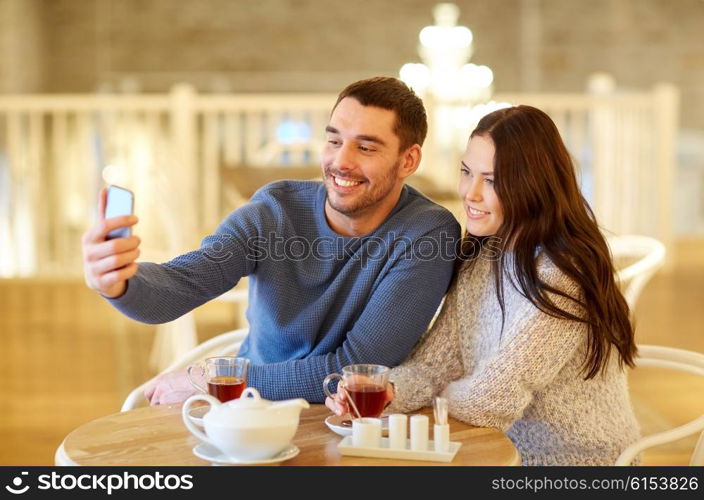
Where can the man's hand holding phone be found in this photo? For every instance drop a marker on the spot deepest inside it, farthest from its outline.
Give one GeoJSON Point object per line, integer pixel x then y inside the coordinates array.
{"type": "Point", "coordinates": [109, 263]}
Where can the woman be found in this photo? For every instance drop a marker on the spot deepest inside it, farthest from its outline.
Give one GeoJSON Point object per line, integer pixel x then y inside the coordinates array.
{"type": "Point", "coordinates": [534, 334]}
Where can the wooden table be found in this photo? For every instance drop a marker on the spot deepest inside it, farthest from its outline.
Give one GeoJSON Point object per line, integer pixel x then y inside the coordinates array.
{"type": "Point", "coordinates": [156, 436]}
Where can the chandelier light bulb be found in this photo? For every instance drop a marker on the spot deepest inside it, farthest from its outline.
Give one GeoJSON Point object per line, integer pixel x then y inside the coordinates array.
{"type": "Point", "coordinates": [485, 77]}
{"type": "Point", "coordinates": [445, 38]}
{"type": "Point", "coordinates": [479, 76]}
{"type": "Point", "coordinates": [416, 76]}
{"type": "Point", "coordinates": [446, 14]}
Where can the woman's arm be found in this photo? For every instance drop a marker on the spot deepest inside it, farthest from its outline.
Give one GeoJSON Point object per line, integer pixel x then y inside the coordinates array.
{"type": "Point", "coordinates": [435, 361]}
{"type": "Point", "coordinates": [537, 347]}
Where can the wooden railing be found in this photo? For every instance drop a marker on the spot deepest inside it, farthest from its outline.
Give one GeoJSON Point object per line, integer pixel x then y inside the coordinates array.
{"type": "Point", "coordinates": [172, 151]}
{"type": "Point", "coordinates": [182, 153]}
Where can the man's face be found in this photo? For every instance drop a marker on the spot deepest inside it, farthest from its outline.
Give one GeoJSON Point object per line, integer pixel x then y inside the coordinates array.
{"type": "Point", "coordinates": [361, 160]}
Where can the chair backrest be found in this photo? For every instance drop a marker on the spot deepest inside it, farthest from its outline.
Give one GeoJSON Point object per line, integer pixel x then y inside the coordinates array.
{"type": "Point", "coordinates": [636, 259]}
{"type": "Point", "coordinates": [674, 359]}
{"type": "Point", "coordinates": [225, 344]}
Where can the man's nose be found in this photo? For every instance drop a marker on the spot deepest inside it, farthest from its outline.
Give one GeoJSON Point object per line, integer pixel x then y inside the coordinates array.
{"type": "Point", "coordinates": [344, 158]}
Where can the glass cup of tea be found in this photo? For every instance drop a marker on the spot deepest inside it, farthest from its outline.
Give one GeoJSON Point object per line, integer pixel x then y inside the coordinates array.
{"type": "Point", "coordinates": [366, 387]}
{"type": "Point", "coordinates": [225, 376]}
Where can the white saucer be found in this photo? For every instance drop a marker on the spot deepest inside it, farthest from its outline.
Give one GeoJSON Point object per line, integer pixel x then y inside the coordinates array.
{"type": "Point", "coordinates": [196, 414]}
{"type": "Point", "coordinates": [216, 457]}
{"type": "Point", "coordinates": [343, 425]}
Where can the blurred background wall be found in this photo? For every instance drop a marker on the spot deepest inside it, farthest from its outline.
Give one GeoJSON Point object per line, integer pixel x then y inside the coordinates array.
{"type": "Point", "coordinates": [320, 46]}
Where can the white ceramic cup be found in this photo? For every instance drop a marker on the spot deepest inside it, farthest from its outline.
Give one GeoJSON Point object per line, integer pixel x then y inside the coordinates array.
{"type": "Point", "coordinates": [366, 432]}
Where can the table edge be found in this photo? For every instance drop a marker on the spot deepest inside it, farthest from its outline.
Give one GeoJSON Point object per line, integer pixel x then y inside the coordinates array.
{"type": "Point", "coordinates": [61, 459]}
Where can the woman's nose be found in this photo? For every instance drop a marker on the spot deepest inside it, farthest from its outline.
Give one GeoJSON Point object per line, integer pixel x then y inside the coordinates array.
{"type": "Point", "coordinates": [474, 192]}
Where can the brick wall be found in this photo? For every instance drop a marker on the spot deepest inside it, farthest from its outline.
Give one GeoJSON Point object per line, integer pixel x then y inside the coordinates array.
{"type": "Point", "coordinates": [243, 45]}
{"type": "Point", "coordinates": [320, 45]}
{"type": "Point", "coordinates": [21, 46]}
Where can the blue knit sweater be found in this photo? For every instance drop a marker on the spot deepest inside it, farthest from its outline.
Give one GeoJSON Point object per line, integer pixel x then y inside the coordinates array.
{"type": "Point", "coordinates": [317, 300]}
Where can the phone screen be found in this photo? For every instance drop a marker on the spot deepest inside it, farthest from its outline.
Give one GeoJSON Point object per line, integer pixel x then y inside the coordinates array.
{"type": "Point", "coordinates": [120, 202]}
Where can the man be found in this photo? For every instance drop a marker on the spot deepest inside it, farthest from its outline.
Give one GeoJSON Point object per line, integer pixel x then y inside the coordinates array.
{"type": "Point", "coordinates": [346, 271]}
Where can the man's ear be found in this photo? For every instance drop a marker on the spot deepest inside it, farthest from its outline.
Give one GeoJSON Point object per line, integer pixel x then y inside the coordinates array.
{"type": "Point", "coordinates": [410, 160]}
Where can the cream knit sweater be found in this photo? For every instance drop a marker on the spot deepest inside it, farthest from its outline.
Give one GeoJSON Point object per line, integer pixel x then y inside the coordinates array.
{"type": "Point", "coordinates": [525, 381]}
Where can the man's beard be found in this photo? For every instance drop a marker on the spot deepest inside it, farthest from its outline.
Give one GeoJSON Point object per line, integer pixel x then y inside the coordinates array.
{"type": "Point", "coordinates": [381, 190]}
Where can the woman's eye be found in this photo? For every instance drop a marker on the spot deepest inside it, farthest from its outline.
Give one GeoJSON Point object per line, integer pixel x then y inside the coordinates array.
{"type": "Point", "coordinates": [490, 181]}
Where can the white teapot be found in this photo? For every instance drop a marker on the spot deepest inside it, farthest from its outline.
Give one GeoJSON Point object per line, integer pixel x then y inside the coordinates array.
{"type": "Point", "coordinates": [248, 428]}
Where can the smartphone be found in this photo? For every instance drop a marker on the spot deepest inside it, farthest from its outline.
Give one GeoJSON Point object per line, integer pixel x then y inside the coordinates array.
{"type": "Point", "coordinates": [120, 202]}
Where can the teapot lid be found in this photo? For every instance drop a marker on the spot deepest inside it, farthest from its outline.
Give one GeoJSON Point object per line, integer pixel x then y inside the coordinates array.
{"type": "Point", "coordinates": [249, 399]}
{"type": "Point", "coordinates": [251, 410]}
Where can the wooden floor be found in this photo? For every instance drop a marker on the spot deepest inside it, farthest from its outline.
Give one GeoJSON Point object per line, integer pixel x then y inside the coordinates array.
{"type": "Point", "coordinates": [67, 357]}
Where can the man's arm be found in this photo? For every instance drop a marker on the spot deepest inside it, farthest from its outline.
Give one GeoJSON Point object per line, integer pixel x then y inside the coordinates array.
{"type": "Point", "coordinates": [159, 293]}
{"type": "Point", "coordinates": [395, 317]}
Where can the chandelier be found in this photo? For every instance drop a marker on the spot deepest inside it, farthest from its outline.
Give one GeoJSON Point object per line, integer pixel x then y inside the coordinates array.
{"type": "Point", "coordinates": [456, 93]}
{"type": "Point", "coordinates": [445, 73]}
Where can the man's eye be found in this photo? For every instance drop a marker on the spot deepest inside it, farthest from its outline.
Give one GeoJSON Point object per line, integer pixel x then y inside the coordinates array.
{"type": "Point", "coordinates": [366, 149]}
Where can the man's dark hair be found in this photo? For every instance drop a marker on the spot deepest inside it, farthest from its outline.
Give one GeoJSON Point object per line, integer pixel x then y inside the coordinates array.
{"type": "Point", "coordinates": [384, 92]}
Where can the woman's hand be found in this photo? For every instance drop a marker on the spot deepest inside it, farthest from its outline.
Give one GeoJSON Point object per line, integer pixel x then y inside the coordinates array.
{"type": "Point", "coordinates": [339, 403]}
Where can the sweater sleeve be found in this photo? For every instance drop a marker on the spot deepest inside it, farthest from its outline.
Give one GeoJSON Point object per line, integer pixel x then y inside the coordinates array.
{"type": "Point", "coordinates": [537, 347]}
{"type": "Point", "coordinates": [159, 293]}
{"type": "Point", "coordinates": [396, 315]}
{"type": "Point", "coordinates": [434, 362]}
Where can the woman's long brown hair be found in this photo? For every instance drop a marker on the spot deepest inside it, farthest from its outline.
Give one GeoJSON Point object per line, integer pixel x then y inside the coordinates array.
{"type": "Point", "coordinates": [543, 209]}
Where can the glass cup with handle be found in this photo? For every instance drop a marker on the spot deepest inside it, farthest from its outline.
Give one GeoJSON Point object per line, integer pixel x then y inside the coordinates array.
{"type": "Point", "coordinates": [365, 385]}
{"type": "Point", "coordinates": [225, 376]}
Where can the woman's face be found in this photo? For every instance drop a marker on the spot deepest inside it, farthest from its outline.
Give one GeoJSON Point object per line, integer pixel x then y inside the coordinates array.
{"type": "Point", "coordinates": [481, 204]}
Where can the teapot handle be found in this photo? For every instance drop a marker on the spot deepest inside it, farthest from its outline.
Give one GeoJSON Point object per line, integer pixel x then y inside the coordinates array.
{"type": "Point", "coordinates": [187, 420]}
